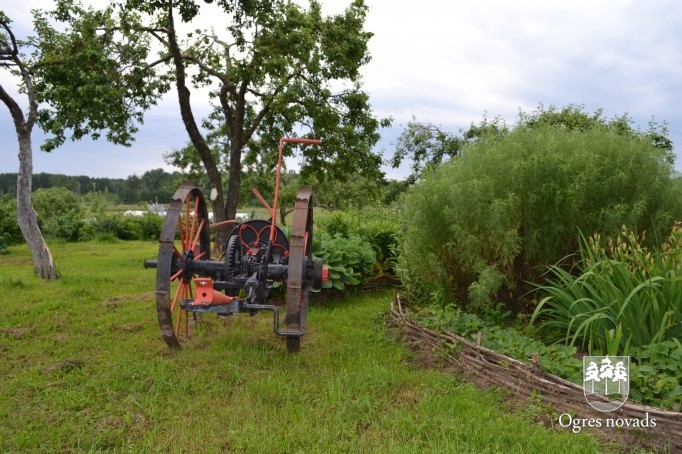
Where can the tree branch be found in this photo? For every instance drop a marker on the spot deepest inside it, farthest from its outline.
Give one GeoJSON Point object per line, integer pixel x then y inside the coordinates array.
{"type": "Point", "coordinates": [15, 48]}
{"type": "Point", "coordinates": [163, 59]}
{"type": "Point", "coordinates": [14, 109]}
{"type": "Point", "coordinates": [204, 67]}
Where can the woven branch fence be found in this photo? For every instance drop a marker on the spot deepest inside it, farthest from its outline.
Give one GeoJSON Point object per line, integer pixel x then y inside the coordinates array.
{"type": "Point", "coordinates": [525, 381]}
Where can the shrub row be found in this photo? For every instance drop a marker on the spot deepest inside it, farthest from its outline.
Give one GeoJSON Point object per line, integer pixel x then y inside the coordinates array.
{"type": "Point", "coordinates": [70, 225]}
{"type": "Point", "coordinates": [356, 246]}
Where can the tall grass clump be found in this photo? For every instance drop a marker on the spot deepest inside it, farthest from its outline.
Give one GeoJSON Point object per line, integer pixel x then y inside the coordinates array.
{"type": "Point", "coordinates": [479, 227]}
{"type": "Point", "coordinates": [619, 297]}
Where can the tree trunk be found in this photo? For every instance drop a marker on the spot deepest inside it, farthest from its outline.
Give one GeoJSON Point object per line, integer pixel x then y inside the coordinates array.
{"type": "Point", "coordinates": [232, 196]}
{"type": "Point", "coordinates": [26, 216]}
{"type": "Point", "coordinates": [194, 133]}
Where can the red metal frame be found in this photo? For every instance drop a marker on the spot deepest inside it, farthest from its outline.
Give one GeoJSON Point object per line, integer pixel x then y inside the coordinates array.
{"type": "Point", "coordinates": [282, 141]}
{"type": "Point", "coordinates": [273, 209]}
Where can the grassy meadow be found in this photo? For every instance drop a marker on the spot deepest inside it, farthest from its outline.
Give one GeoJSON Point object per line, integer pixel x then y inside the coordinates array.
{"type": "Point", "coordinates": [83, 369]}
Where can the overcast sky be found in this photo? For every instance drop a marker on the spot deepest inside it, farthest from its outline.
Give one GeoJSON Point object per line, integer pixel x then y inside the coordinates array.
{"type": "Point", "coordinates": [450, 63]}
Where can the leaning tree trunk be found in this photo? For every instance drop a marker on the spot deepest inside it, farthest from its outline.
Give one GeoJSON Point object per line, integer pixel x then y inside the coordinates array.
{"type": "Point", "coordinates": [193, 131]}
{"type": "Point", "coordinates": [27, 217]}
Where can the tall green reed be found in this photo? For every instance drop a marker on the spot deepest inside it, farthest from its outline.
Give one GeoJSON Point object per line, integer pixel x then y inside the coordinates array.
{"type": "Point", "coordinates": [617, 297]}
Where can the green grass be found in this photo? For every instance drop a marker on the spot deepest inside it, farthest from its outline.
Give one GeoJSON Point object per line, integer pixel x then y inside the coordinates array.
{"type": "Point", "coordinates": [83, 369]}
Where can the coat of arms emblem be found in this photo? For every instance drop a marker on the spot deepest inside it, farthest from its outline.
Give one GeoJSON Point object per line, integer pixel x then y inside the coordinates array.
{"type": "Point", "coordinates": [606, 381]}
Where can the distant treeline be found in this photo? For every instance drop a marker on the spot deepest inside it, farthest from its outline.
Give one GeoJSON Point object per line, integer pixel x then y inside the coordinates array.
{"type": "Point", "coordinates": [152, 186]}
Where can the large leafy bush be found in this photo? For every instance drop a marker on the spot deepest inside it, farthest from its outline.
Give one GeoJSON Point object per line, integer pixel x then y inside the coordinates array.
{"type": "Point", "coordinates": [378, 226]}
{"type": "Point", "coordinates": [482, 225]}
{"type": "Point", "coordinates": [349, 259]}
{"type": "Point", "coordinates": [54, 201]}
{"type": "Point", "coordinates": [59, 213]}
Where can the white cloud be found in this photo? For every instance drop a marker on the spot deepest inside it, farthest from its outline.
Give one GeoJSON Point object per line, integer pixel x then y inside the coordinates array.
{"type": "Point", "coordinates": [450, 62]}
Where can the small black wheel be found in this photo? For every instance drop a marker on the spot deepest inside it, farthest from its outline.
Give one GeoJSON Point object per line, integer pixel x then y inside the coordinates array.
{"type": "Point", "coordinates": [233, 262]}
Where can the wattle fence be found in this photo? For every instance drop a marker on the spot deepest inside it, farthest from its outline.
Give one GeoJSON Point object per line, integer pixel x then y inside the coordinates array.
{"type": "Point", "coordinates": [632, 424]}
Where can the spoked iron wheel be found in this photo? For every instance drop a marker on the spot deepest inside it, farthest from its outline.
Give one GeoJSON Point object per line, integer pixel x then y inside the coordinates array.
{"type": "Point", "coordinates": [184, 239]}
{"type": "Point", "coordinates": [300, 261]}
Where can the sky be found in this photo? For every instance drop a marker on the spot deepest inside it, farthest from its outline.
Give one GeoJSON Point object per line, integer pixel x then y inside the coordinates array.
{"type": "Point", "coordinates": [449, 63]}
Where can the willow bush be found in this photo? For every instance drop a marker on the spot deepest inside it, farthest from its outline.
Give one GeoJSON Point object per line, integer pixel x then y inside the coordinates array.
{"type": "Point", "coordinates": [478, 228]}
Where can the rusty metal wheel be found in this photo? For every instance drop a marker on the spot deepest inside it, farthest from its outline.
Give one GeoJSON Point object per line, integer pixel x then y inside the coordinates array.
{"type": "Point", "coordinates": [184, 239]}
{"type": "Point", "coordinates": [300, 262]}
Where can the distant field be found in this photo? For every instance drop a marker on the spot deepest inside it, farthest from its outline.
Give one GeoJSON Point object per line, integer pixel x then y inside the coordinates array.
{"type": "Point", "coordinates": [258, 212]}
{"type": "Point", "coordinates": [261, 212]}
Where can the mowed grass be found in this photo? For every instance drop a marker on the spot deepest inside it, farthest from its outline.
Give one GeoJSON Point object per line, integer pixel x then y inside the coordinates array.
{"type": "Point", "coordinates": [83, 369]}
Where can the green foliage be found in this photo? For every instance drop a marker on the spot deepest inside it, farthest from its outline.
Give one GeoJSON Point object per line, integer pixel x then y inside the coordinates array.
{"type": "Point", "coordinates": [122, 227]}
{"type": "Point", "coordinates": [555, 359]}
{"type": "Point", "coordinates": [59, 213]}
{"type": "Point", "coordinates": [97, 201]}
{"type": "Point", "coordinates": [87, 76]}
{"type": "Point", "coordinates": [619, 297]}
{"type": "Point", "coordinates": [427, 145]}
{"type": "Point", "coordinates": [301, 71]}
{"type": "Point", "coordinates": [150, 225]}
{"type": "Point", "coordinates": [54, 201]}
{"type": "Point", "coordinates": [10, 234]}
{"type": "Point", "coordinates": [151, 186]}
{"type": "Point", "coordinates": [478, 227]}
{"type": "Point", "coordinates": [353, 192]}
{"type": "Point", "coordinates": [655, 373]}
{"type": "Point", "coordinates": [67, 225]}
{"type": "Point", "coordinates": [658, 376]}
{"type": "Point", "coordinates": [376, 225]}
{"type": "Point", "coordinates": [574, 117]}
{"type": "Point", "coordinates": [358, 245]}
{"type": "Point", "coordinates": [349, 258]}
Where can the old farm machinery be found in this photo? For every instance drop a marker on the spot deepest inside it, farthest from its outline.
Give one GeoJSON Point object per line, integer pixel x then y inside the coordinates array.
{"type": "Point", "coordinates": [256, 255]}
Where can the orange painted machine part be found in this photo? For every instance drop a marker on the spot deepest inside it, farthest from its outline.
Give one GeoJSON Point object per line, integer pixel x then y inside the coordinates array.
{"type": "Point", "coordinates": [282, 141]}
{"type": "Point", "coordinates": [206, 295]}
{"type": "Point", "coordinates": [325, 273]}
